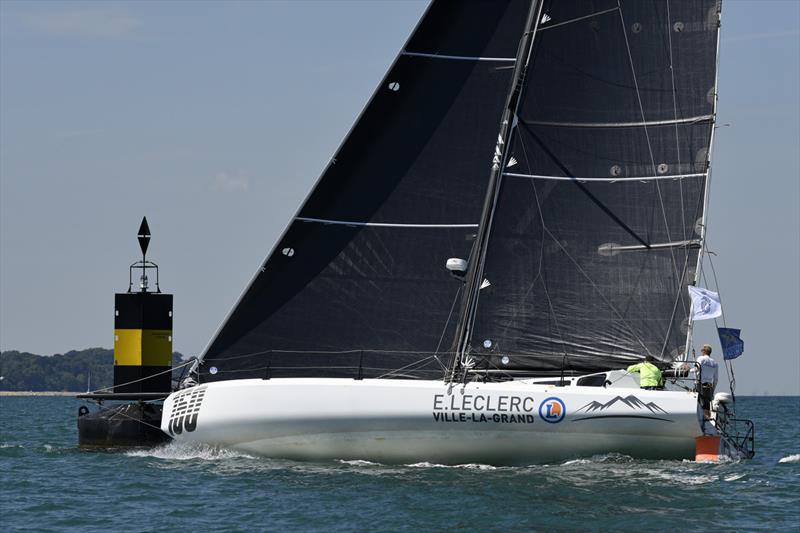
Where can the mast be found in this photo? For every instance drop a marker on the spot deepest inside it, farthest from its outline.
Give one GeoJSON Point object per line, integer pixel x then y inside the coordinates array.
{"type": "Point", "coordinates": [507, 126]}
{"type": "Point", "coordinates": [706, 192]}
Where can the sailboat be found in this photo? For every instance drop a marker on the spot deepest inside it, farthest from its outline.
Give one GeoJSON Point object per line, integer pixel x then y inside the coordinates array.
{"type": "Point", "coordinates": [512, 221]}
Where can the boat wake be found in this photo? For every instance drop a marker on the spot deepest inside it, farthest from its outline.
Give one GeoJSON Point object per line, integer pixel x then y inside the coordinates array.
{"type": "Point", "coordinates": [790, 459]}
{"type": "Point", "coordinates": [175, 451]}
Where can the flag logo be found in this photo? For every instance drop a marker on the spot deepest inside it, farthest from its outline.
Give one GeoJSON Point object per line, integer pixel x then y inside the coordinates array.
{"type": "Point", "coordinates": [705, 303]}
{"type": "Point", "coordinates": [732, 344]}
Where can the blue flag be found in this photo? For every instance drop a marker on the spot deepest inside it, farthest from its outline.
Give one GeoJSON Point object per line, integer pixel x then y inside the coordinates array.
{"type": "Point", "coordinates": [732, 345]}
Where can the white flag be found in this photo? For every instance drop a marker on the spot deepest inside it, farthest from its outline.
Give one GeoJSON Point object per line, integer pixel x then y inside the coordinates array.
{"type": "Point", "coordinates": [705, 303]}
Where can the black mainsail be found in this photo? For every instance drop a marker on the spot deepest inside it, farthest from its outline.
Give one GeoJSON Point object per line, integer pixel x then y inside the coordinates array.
{"type": "Point", "coordinates": [358, 280]}
{"type": "Point", "coordinates": [581, 246]}
{"type": "Point", "coordinates": [597, 227]}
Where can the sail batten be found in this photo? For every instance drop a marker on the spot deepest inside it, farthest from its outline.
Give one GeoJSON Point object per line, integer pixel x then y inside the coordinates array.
{"type": "Point", "coordinates": [687, 120]}
{"type": "Point", "coordinates": [606, 180]}
{"type": "Point", "coordinates": [458, 58]}
{"type": "Point", "coordinates": [384, 224]}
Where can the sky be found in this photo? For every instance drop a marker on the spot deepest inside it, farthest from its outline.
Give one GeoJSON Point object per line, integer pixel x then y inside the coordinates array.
{"type": "Point", "coordinates": [214, 119]}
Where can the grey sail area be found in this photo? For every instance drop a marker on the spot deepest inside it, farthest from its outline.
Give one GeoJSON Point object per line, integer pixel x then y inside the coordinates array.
{"type": "Point", "coordinates": [357, 284]}
{"type": "Point", "coordinates": [595, 234]}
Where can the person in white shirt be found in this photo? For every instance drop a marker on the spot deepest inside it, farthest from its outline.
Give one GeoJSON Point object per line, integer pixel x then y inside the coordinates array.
{"type": "Point", "coordinates": [709, 372]}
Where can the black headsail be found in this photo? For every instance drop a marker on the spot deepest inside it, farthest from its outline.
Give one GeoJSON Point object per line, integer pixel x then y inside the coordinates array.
{"type": "Point", "coordinates": [598, 222]}
{"type": "Point", "coordinates": [358, 280]}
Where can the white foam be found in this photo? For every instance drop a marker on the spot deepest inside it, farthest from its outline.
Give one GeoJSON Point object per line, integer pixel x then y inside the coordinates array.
{"type": "Point", "coordinates": [602, 458]}
{"type": "Point", "coordinates": [468, 466]}
{"type": "Point", "coordinates": [735, 477]}
{"type": "Point", "coordinates": [790, 459]}
{"type": "Point", "coordinates": [576, 462]}
{"type": "Point", "coordinates": [184, 452]}
{"type": "Point", "coordinates": [682, 478]}
{"type": "Point", "coordinates": [358, 462]}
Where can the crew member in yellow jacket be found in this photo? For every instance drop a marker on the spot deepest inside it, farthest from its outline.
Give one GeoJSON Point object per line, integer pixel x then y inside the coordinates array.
{"type": "Point", "coordinates": [649, 374]}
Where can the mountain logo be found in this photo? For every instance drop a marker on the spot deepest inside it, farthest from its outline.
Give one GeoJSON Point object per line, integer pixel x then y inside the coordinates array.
{"type": "Point", "coordinates": [631, 401]}
{"type": "Point", "coordinates": [552, 410]}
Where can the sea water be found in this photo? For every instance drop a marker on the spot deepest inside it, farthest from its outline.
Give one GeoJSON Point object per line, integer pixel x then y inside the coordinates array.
{"type": "Point", "coordinates": [48, 484]}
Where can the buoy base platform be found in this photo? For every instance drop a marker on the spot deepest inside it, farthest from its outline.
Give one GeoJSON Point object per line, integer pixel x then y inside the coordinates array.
{"type": "Point", "coordinates": [707, 448]}
{"type": "Point", "coordinates": [126, 425]}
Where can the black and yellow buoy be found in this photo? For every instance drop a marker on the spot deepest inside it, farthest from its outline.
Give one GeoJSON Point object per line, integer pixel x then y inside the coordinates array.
{"type": "Point", "coordinates": [142, 364]}
{"type": "Point", "coordinates": [142, 331]}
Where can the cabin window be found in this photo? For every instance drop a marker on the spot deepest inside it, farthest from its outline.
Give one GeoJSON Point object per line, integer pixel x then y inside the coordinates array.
{"type": "Point", "coordinates": [597, 380]}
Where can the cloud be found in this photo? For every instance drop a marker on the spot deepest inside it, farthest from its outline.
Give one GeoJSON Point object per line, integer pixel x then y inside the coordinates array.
{"type": "Point", "coordinates": [227, 183]}
{"type": "Point", "coordinates": [94, 22]}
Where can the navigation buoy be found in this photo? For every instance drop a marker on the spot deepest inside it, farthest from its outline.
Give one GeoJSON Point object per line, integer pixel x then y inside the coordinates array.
{"type": "Point", "coordinates": [142, 362]}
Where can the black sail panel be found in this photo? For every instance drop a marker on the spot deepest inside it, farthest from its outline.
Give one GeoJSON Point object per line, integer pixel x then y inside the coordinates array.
{"type": "Point", "coordinates": [596, 231]}
{"type": "Point", "coordinates": [357, 284]}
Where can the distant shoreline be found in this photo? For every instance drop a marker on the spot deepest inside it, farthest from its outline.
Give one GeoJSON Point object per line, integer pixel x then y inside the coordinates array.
{"type": "Point", "coordinates": [36, 393]}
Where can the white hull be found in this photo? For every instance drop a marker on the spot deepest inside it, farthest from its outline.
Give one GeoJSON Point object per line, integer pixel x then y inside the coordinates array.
{"type": "Point", "coordinates": [398, 421]}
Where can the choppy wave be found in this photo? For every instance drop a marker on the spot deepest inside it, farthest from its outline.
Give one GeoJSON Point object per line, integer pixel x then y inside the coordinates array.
{"type": "Point", "coordinates": [790, 459]}
{"type": "Point", "coordinates": [602, 458]}
{"type": "Point", "coordinates": [468, 466]}
{"type": "Point", "coordinates": [735, 477]}
{"type": "Point", "coordinates": [185, 452]}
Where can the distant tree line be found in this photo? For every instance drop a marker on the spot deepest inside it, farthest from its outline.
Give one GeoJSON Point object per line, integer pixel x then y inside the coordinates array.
{"type": "Point", "coordinates": [23, 371]}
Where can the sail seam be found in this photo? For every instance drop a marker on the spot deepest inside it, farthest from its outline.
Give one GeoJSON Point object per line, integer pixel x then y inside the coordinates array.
{"type": "Point", "coordinates": [584, 17]}
{"type": "Point", "coordinates": [606, 180]}
{"type": "Point", "coordinates": [382, 224]}
{"type": "Point", "coordinates": [458, 58]}
{"type": "Point", "coordinates": [689, 120]}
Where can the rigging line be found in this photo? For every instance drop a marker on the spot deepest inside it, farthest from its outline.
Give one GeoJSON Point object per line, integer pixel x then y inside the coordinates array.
{"type": "Point", "coordinates": [678, 299]}
{"type": "Point", "coordinates": [505, 134]}
{"type": "Point", "coordinates": [599, 292]}
{"type": "Point", "coordinates": [703, 200]}
{"type": "Point", "coordinates": [716, 286]}
{"type": "Point", "coordinates": [407, 367]}
{"type": "Point", "coordinates": [586, 191]}
{"type": "Point", "coordinates": [383, 224]}
{"type": "Point", "coordinates": [447, 322]}
{"type": "Point", "coordinates": [716, 324]}
{"type": "Point", "coordinates": [578, 19]}
{"type": "Point", "coordinates": [699, 264]}
{"type": "Point", "coordinates": [605, 180]}
{"type": "Point", "coordinates": [135, 420]}
{"type": "Point", "coordinates": [675, 111]}
{"type": "Point", "coordinates": [458, 58]}
{"type": "Point", "coordinates": [106, 389]}
{"type": "Point", "coordinates": [541, 256]}
{"type": "Point", "coordinates": [646, 133]}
